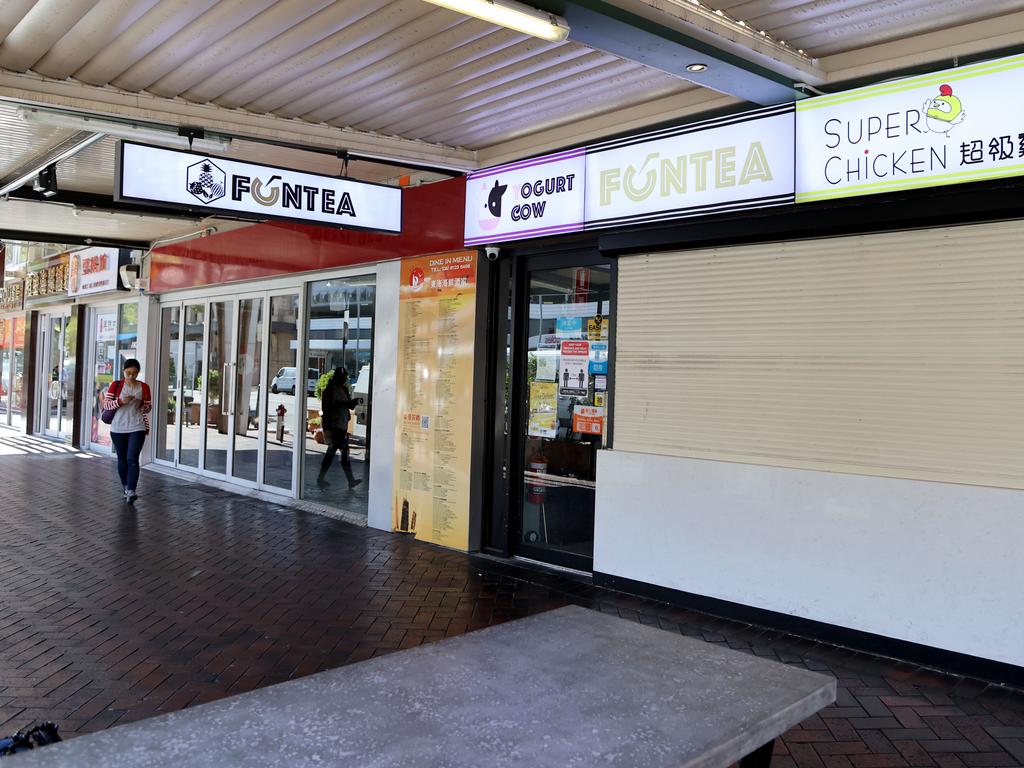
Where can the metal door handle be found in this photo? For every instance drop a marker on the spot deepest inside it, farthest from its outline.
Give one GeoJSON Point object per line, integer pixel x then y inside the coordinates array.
{"type": "Point", "coordinates": [225, 401]}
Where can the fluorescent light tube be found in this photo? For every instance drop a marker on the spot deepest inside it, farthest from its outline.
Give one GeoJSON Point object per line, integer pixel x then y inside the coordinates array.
{"type": "Point", "coordinates": [508, 13]}
{"type": "Point", "coordinates": [125, 130]}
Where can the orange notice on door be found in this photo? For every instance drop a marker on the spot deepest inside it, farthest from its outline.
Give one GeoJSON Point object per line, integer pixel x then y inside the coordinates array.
{"type": "Point", "coordinates": [588, 420]}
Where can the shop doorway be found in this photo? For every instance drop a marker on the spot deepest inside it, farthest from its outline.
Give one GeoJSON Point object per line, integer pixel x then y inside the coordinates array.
{"type": "Point", "coordinates": [12, 372]}
{"type": "Point", "coordinates": [340, 334]}
{"type": "Point", "coordinates": [57, 347]}
{"type": "Point", "coordinates": [221, 409]}
{"type": "Point", "coordinates": [559, 395]}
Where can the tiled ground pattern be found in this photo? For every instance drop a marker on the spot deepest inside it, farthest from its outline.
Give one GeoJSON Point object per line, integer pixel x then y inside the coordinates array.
{"type": "Point", "coordinates": [110, 614]}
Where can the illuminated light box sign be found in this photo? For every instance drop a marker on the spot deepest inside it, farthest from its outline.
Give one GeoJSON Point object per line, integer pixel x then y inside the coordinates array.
{"type": "Point", "coordinates": [715, 166]}
{"type": "Point", "coordinates": [93, 270]}
{"type": "Point", "coordinates": [950, 127]}
{"type": "Point", "coordinates": [179, 179]}
{"type": "Point", "coordinates": [532, 198]}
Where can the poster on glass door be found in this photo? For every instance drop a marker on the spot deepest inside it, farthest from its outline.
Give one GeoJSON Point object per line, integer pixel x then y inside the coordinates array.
{"type": "Point", "coordinates": [574, 373]}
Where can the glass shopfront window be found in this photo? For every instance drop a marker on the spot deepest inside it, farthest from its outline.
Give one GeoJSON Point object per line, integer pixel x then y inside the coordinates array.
{"type": "Point", "coordinates": [5, 370]}
{"type": "Point", "coordinates": [227, 401]}
{"type": "Point", "coordinates": [104, 362]}
{"type": "Point", "coordinates": [340, 334]}
{"type": "Point", "coordinates": [111, 338]}
{"type": "Point", "coordinates": [12, 372]}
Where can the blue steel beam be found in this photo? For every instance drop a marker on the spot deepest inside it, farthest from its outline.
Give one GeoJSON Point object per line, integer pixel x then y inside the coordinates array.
{"type": "Point", "coordinates": [604, 26]}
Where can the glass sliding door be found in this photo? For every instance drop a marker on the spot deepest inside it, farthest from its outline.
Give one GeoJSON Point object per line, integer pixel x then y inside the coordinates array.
{"type": "Point", "coordinates": [54, 374]}
{"type": "Point", "coordinates": [562, 373]}
{"type": "Point", "coordinates": [165, 415]}
{"type": "Point", "coordinates": [5, 370]}
{"type": "Point", "coordinates": [227, 381]}
{"type": "Point", "coordinates": [247, 383]}
{"type": "Point", "coordinates": [104, 368]}
{"type": "Point", "coordinates": [218, 390]}
{"type": "Point", "coordinates": [17, 398]}
{"type": "Point", "coordinates": [340, 334]}
{"type": "Point", "coordinates": [192, 384]}
{"type": "Point", "coordinates": [69, 347]}
{"type": "Point", "coordinates": [282, 403]}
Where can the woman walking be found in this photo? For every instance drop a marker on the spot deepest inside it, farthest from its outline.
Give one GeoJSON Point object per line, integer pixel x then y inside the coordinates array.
{"type": "Point", "coordinates": [130, 401]}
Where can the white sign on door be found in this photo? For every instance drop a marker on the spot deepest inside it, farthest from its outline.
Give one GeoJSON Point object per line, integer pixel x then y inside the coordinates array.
{"type": "Point", "coordinates": [949, 127]}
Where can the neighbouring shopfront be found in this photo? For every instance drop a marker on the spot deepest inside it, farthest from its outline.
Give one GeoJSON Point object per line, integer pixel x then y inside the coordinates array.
{"type": "Point", "coordinates": [114, 331]}
{"type": "Point", "coordinates": [13, 325]}
{"type": "Point", "coordinates": [252, 325]}
{"type": "Point", "coordinates": [46, 295]}
{"type": "Point", "coordinates": [241, 375]}
{"type": "Point", "coordinates": [813, 407]}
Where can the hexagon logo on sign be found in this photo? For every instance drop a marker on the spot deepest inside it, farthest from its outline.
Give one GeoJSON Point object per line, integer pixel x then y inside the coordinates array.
{"type": "Point", "coordinates": [206, 182]}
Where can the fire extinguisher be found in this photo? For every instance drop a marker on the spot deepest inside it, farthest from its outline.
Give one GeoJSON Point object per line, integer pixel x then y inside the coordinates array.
{"type": "Point", "coordinates": [538, 464]}
{"type": "Point", "coordinates": [280, 422]}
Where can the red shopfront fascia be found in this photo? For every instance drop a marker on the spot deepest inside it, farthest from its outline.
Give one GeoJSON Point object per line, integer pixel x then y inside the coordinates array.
{"type": "Point", "coordinates": [432, 222]}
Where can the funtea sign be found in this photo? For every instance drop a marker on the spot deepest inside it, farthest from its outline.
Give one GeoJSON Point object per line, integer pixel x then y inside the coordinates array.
{"type": "Point", "coordinates": [949, 127]}
{"type": "Point", "coordinates": [191, 180]}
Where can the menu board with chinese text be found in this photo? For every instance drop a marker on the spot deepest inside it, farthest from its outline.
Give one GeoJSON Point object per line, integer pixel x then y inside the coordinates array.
{"type": "Point", "coordinates": [433, 440]}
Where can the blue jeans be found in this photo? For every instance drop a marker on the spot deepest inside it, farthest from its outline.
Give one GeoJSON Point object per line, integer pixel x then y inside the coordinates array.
{"type": "Point", "coordinates": [128, 446]}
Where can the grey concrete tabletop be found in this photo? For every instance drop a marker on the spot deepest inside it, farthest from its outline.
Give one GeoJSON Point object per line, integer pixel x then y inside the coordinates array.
{"type": "Point", "coordinates": [570, 687]}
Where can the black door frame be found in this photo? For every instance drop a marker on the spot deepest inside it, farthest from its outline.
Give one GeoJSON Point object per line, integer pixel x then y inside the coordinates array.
{"type": "Point", "coordinates": [509, 321]}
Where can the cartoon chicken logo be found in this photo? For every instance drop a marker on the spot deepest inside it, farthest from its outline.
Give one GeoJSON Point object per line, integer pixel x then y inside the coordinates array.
{"type": "Point", "coordinates": [944, 112]}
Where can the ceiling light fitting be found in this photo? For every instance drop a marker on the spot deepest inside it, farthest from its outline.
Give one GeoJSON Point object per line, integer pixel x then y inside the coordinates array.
{"type": "Point", "coordinates": [127, 130]}
{"type": "Point", "coordinates": [696, 67]}
{"type": "Point", "coordinates": [513, 15]}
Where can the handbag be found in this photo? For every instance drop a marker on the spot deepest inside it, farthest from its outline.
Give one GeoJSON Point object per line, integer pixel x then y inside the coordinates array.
{"type": "Point", "coordinates": [107, 416]}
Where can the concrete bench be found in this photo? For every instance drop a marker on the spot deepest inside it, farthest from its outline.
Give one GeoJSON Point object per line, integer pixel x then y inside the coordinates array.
{"type": "Point", "coordinates": [570, 687]}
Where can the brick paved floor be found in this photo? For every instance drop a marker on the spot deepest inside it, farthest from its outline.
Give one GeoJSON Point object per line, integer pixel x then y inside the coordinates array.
{"type": "Point", "coordinates": [109, 615]}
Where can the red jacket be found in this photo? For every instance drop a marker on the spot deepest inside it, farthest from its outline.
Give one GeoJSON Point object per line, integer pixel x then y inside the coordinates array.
{"type": "Point", "coordinates": [111, 400]}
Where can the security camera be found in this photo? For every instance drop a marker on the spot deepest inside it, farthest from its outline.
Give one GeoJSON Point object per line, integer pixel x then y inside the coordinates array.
{"type": "Point", "coordinates": [130, 275]}
{"type": "Point", "coordinates": [492, 252]}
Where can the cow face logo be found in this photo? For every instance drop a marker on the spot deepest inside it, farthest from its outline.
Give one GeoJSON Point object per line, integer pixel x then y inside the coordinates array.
{"type": "Point", "coordinates": [205, 181]}
{"type": "Point", "coordinates": [494, 199]}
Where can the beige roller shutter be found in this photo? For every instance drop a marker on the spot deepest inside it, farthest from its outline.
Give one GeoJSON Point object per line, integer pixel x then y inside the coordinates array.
{"type": "Point", "coordinates": [897, 355]}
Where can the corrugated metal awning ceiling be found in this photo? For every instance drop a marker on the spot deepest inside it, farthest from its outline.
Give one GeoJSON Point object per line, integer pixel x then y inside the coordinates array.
{"type": "Point", "coordinates": [406, 80]}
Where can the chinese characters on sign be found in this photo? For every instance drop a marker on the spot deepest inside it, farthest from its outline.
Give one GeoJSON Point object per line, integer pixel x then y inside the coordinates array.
{"type": "Point", "coordinates": [433, 436]}
{"type": "Point", "coordinates": [93, 270]}
{"type": "Point", "coordinates": [943, 128]}
{"type": "Point", "coordinates": [48, 281]}
{"type": "Point", "coordinates": [12, 297]}
{"type": "Point", "coordinates": [588, 420]}
{"type": "Point", "coordinates": [950, 127]}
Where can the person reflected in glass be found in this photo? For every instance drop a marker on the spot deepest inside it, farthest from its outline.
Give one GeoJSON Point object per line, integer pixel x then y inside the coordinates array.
{"type": "Point", "coordinates": [131, 402]}
{"type": "Point", "coordinates": [337, 405]}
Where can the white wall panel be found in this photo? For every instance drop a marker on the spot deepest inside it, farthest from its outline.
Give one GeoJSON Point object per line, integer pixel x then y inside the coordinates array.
{"type": "Point", "coordinates": [385, 375]}
{"type": "Point", "coordinates": [929, 563]}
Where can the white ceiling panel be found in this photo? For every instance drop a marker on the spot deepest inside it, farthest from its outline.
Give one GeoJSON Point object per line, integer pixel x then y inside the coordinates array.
{"type": "Point", "coordinates": [59, 221]}
{"type": "Point", "coordinates": [314, 60]}
{"type": "Point", "coordinates": [825, 27]}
